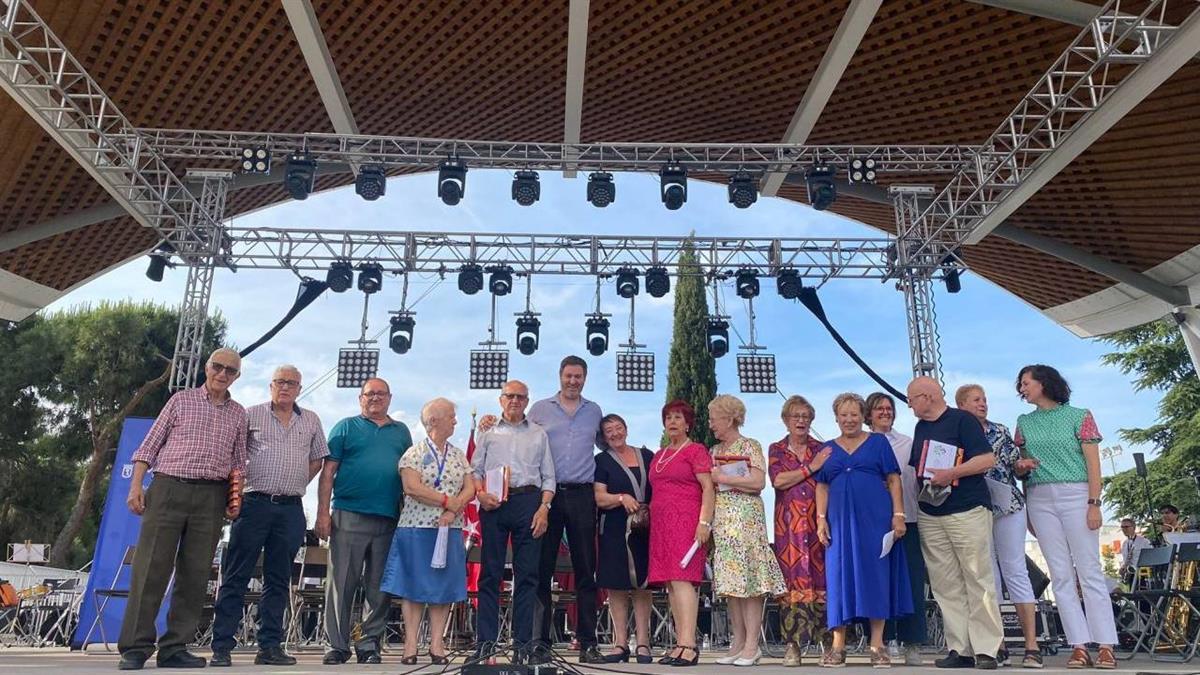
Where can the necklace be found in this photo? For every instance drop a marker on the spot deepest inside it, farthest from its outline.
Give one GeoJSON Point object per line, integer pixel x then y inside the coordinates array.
{"type": "Point", "coordinates": [658, 467]}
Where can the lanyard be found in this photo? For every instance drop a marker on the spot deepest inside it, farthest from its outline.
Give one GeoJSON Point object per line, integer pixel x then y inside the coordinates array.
{"type": "Point", "coordinates": [441, 462]}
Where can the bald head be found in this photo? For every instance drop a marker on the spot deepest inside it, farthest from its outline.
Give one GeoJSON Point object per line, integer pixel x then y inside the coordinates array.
{"type": "Point", "coordinates": [926, 398]}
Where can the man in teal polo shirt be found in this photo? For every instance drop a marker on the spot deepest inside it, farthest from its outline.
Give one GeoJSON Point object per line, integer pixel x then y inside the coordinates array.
{"type": "Point", "coordinates": [360, 474]}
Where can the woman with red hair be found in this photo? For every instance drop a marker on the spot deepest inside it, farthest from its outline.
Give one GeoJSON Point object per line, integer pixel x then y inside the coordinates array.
{"type": "Point", "coordinates": [681, 511]}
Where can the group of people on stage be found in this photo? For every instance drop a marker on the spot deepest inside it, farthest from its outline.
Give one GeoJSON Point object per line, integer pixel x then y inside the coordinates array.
{"type": "Point", "coordinates": [861, 523]}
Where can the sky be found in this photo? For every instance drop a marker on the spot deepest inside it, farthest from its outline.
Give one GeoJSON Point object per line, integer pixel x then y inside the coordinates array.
{"type": "Point", "coordinates": [987, 334]}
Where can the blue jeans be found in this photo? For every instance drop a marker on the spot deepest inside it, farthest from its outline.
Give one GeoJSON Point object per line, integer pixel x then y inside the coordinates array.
{"type": "Point", "coordinates": [276, 531]}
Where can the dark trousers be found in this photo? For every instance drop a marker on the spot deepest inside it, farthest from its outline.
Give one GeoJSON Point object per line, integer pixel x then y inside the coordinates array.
{"type": "Point", "coordinates": [180, 529]}
{"type": "Point", "coordinates": [276, 531]}
{"type": "Point", "coordinates": [911, 629]}
{"type": "Point", "coordinates": [512, 519]}
{"type": "Point", "coordinates": [574, 509]}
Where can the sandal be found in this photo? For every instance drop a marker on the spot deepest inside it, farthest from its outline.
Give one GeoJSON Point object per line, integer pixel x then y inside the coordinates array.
{"type": "Point", "coordinates": [1080, 658]}
{"type": "Point", "coordinates": [438, 659]}
{"type": "Point", "coordinates": [648, 657]}
{"type": "Point", "coordinates": [680, 661]}
{"type": "Point", "coordinates": [833, 659]}
{"type": "Point", "coordinates": [409, 660]}
{"type": "Point", "coordinates": [671, 656]}
{"type": "Point", "coordinates": [879, 658]}
{"type": "Point", "coordinates": [1105, 659]}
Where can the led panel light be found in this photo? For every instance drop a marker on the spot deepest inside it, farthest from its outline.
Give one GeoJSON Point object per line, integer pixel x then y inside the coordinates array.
{"type": "Point", "coordinates": [356, 366]}
{"type": "Point", "coordinates": [635, 371]}
{"type": "Point", "coordinates": [756, 373]}
{"type": "Point", "coordinates": [489, 368]}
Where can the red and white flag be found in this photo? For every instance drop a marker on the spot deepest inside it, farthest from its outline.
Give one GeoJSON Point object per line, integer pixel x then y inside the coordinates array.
{"type": "Point", "coordinates": [471, 533]}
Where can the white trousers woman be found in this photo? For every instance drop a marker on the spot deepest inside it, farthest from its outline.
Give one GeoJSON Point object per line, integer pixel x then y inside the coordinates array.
{"type": "Point", "coordinates": [1008, 559]}
{"type": "Point", "coordinates": [1058, 512]}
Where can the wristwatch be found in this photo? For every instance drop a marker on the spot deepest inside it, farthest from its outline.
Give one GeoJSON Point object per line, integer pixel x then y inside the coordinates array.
{"type": "Point", "coordinates": [1093, 502]}
{"type": "Point", "coordinates": [547, 505]}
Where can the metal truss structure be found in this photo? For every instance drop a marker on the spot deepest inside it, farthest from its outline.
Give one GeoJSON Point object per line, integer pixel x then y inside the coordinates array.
{"type": "Point", "coordinates": [50, 84]}
{"type": "Point", "coordinates": [398, 151]}
{"type": "Point", "coordinates": [1119, 58]}
{"type": "Point", "coordinates": [915, 265]}
{"type": "Point", "coordinates": [307, 251]}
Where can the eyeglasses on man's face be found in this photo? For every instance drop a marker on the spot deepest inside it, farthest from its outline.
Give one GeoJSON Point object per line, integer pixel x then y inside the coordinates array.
{"type": "Point", "coordinates": [376, 394]}
{"type": "Point", "coordinates": [514, 397]}
{"type": "Point", "coordinates": [286, 383]}
{"type": "Point", "coordinates": [218, 368]}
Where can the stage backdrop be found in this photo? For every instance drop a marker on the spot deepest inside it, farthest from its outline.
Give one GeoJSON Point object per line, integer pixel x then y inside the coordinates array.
{"type": "Point", "coordinates": [118, 530]}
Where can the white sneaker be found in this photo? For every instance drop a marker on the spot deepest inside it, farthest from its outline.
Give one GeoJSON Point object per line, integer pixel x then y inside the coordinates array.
{"type": "Point", "coordinates": [912, 656]}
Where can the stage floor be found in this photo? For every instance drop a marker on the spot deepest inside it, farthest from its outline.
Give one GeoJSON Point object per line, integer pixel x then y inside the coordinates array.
{"type": "Point", "coordinates": [19, 660]}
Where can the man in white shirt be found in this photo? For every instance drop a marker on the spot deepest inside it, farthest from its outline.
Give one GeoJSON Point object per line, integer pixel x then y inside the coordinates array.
{"type": "Point", "coordinates": [1133, 543]}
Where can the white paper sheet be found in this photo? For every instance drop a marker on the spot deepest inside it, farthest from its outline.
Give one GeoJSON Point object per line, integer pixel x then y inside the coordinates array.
{"type": "Point", "coordinates": [939, 455]}
{"type": "Point", "coordinates": [691, 552]}
{"type": "Point", "coordinates": [439, 548]}
{"type": "Point", "coordinates": [889, 540]}
{"type": "Point", "coordinates": [738, 469]}
{"type": "Point", "coordinates": [495, 482]}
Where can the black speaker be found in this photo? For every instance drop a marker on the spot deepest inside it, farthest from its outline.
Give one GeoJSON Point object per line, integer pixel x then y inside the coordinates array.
{"type": "Point", "coordinates": [1139, 458]}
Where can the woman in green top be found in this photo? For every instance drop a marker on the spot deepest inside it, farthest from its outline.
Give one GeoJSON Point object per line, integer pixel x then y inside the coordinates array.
{"type": "Point", "coordinates": [1061, 465]}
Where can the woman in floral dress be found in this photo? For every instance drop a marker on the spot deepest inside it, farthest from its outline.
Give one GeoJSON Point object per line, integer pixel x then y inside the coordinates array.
{"type": "Point", "coordinates": [744, 567]}
{"type": "Point", "coordinates": [792, 463]}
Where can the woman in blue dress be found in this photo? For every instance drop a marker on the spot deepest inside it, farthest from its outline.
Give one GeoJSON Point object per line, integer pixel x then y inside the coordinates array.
{"type": "Point", "coordinates": [858, 503]}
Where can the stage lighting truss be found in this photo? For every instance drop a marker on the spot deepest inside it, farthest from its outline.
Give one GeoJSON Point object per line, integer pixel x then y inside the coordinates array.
{"type": "Point", "coordinates": [862, 170]}
{"type": "Point", "coordinates": [488, 368]}
{"type": "Point", "coordinates": [673, 186]}
{"type": "Point", "coordinates": [371, 183]}
{"type": "Point", "coordinates": [452, 181]}
{"type": "Point", "coordinates": [601, 190]}
{"type": "Point", "coordinates": [526, 188]}
{"type": "Point", "coordinates": [256, 159]}
{"type": "Point", "coordinates": [635, 371]}
{"type": "Point", "coordinates": [299, 174]}
{"type": "Point", "coordinates": [822, 191]}
{"type": "Point", "coordinates": [743, 190]}
{"type": "Point", "coordinates": [356, 366]}
{"type": "Point", "coordinates": [756, 373]}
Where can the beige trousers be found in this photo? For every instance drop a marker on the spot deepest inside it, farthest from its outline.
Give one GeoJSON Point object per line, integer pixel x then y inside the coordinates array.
{"type": "Point", "coordinates": [958, 556]}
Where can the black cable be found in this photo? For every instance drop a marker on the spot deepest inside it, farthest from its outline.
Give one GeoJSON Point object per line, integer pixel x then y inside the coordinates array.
{"type": "Point", "coordinates": [310, 290]}
{"type": "Point", "coordinates": [808, 297]}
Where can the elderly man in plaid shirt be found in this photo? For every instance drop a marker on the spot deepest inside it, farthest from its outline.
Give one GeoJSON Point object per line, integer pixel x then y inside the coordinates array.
{"type": "Point", "coordinates": [287, 448]}
{"type": "Point", "coordinates": [195, 445]}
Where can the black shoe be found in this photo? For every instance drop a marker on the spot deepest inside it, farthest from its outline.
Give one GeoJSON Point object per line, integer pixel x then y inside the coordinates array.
{"type": "Point", "coordinates": [985, 662]}
{"type": "Point", "coordinates": [622, 655]}
{"type": "Point", "coordinates": [537, 655]}
{"type": "Point", "coordinates": [681, 661]}
{"type": "Point", "coordinates": [591, 654]}
{"type": "Point", "coordinates": [220, 659]}
{"type": "Point", "coordinates": [371, 657]}
{"type": "Point", "coordinates": [648, 657]}
{"type": "Point", "coordinates": [182, 659]}
{"type": "Point", "coordinates": [954, 660]}
{"type": "Point", "coordinates": [274, 656]}
{"type": "Point", "coordinates": [335, 657]}
{"type": "Point", "coordinates": [670, 657]}
{"type": "Point", "coordinates": [132, 661]}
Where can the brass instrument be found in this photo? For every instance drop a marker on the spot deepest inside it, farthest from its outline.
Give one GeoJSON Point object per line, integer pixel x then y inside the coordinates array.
{"type": "Point", "coordinates": [1177, 622]}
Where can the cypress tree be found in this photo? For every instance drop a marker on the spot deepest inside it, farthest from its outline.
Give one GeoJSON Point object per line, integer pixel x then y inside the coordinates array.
{"type": "Point", "coordinates": [691, 370]}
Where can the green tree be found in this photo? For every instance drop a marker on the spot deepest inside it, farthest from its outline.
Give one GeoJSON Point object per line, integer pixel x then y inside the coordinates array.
{"type": "Point", "coordinates": [1155, 355]}
{"type": "Point", "coordinates": [80, 373]}
{"type": "Point", "coordinates": [691, 370]}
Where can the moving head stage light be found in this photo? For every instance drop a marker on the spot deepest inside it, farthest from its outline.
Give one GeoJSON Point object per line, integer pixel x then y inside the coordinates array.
{"type": "Point", "coordinates": [673, 185]}
{"type": "Point", "coordinates": [601, 190]}
{"type": "Point", "coordinates": [452, 182]}
{"type": "Point", "coordinates": [401, 338]}
{"type": "Point", "coordinates": [822, 191]}
{"type": "Point", "coordinates": [597, 335]}
{"type": "Point", "coordinates": [528, 326]}
{"type": "Point", "coordinates": [658, 282]}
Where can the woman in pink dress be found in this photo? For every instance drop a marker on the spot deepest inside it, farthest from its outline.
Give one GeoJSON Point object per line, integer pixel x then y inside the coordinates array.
{"type": "Point", "coordinates": [681, 511]}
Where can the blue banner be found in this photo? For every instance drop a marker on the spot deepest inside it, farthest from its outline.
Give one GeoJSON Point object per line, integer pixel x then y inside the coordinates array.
{"type": "Point", "coordinates": [118, 531]}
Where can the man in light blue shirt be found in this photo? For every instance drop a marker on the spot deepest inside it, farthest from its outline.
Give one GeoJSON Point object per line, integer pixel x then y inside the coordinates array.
{"type": "Point", "coordinates": [524, 448]}
{"type": "Point", "coordinates": [571, 423]}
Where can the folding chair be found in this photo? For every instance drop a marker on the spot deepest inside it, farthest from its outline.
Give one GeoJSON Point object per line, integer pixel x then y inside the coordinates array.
{"type": "Point", "coordinates": [1180, 622]}
{"type": "Point", "coordinates": [101, 596]}
{"type": "Point", "coordinates": [308, 597]}
{"type": "Point", "coordinates": [1147, 598]}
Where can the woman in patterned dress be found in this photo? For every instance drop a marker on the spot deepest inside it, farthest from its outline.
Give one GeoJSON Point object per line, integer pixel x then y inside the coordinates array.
{"type": "Point", "coordinates": [792, 463]}
{"type": "Point", "coordinates": [436, 492]}
{"type": "Point", "coordinates": [1008, 523]}
{"type": "Point", "coordinates": [681, 513]}
{"type": "Point", "coordinates": [744, 568]}
{"type": "Point", "coordinates": [1061, 448]}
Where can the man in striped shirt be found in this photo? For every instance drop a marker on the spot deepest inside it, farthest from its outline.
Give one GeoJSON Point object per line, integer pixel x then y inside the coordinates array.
{"type": "Point", "coordinates": [197, 442]}
{"type": "Point", "coordinates": [286, 448]}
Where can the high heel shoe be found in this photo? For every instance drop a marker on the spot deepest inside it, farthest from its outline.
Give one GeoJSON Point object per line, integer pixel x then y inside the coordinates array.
{"type": "Point", "coordinates": [680, 661]}
{"type": "Point", "coordinates": [438, 659]}
{"type": "Point", "coordinates": [670, 656]}
{"type": "Point", "coordinates": [728, 659]}
{"type": "Point", "coordinates": [643, 659]}
{"type": "Point", "coordinates": [742, 661]}
{"type": "Point", "coordinates": [409, 660]}
{"type": "Point", "coordinates": [622, 657]}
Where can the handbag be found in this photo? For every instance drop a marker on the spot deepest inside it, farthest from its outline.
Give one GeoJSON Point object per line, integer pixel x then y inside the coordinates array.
{"type": "Point", "coordinates": [638, 521]}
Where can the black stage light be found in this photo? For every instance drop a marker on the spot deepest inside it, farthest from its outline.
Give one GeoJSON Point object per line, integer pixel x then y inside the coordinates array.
{"type": "Point", "coordinates": [718, 338]}
{"type": "Point", "coordinates": [756, 373]}
{"type": "Point", "coordinates": [952, 279]}
{"type": "Point", "coordinates": [470, 278]}
{"type": "Point", "coordinates": [658, 282]}
{"type": "Point", "coordinates": [627, 282]}
{"type": "Point", "coordinates": [340, 277]}
{"type": "Point", "coordinates": [635, 371]}
{"type": "Point", "coordinates": [746, 284]}
{"type": "Point", "coordinates": [673, 179]}
{"type": "Point", "coordinates": [256, 159]}
{"type": "Point", "coordinates": [488, 369]}
{"type": "Point", "coordinates": [158, 263]}
{"type": "Point", "coordinates": [452, 181]}
{"type": "Point", "coordinates": [371, 182]}
{"type": "Point", "coordinates": [356, 366]}
{"type": "Point", "coordinates": [401, 339]}
{"type": "Point", "coordinates": [526, 188]}
{"type": "Point", "coordinates": [299, 174]}
{"type": "Point", "coordinates": [601, 190]}
{"type": "Point", "coordinates": [501, 280]}
{"type": "Point", "coordinates": [370, 278]}
{"type": "Point", "coordinates": [862, 170]}
{"type": "Point", "coordinates": [789, 283]}
{"type": "Point", "coordinates": [527, 333]}
{"type": "Point", "coordinates": [821, 188]}
{"type": "Point", "coordinates": [743, 191]}
{"type": "Point", "coordinates": [597, 335]}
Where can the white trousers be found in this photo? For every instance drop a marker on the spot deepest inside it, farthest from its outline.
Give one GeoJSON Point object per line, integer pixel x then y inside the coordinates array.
{"type": "Point", "coordinates": [1058, 512]}
{"type": "Point", "coordinates": [1008, 557]}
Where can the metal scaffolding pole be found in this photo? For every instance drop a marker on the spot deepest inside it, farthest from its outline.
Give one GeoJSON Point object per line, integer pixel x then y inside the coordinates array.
{"type": "Point", "coordinates": [915, 268]}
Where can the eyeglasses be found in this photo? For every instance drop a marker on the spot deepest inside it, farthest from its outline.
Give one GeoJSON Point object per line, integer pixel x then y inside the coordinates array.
{"type": "Point", "coordinates": [515, 397]}
{"type": "Point", "coordinates": [800, 417]}
{"type": "Point", "coordinates": [376, 394]}
{"type": "Point", "coordinates": [218, 368]}
{"type": "Point", "coordinates": [286, 383]}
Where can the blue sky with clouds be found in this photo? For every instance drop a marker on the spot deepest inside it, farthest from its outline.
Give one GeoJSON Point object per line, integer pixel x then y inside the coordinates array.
{"type": "Point", "coordinates": [987, 334]}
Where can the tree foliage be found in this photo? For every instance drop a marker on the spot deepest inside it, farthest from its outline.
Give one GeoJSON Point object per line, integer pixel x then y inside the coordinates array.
{"type": "Point", "coordinates": [691, 370]}
{"type": "Point", "coordinates": [1157, 358]}
{"type": "Point", "coordinates": [70, 380]}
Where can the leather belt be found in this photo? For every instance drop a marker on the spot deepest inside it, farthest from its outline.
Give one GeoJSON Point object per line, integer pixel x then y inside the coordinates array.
{"type": "Point", "coordinates": [274, 499]}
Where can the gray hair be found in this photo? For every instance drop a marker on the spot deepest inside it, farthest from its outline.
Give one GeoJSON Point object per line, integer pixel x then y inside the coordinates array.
{"type": "Point", "coordinates": [286, 367]}
{"type": "Point", "coordinates": [427, 410]}
{"type": "Point", "coordinates": [224, 351]}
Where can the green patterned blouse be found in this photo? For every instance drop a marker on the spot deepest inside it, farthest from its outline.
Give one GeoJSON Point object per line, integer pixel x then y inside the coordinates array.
{"type": "Point", "coordinates": [1055, 438]}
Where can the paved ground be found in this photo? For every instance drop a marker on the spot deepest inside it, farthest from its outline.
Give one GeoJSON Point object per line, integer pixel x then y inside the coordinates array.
{"type": "Point", "coordinates": [18, 661]}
